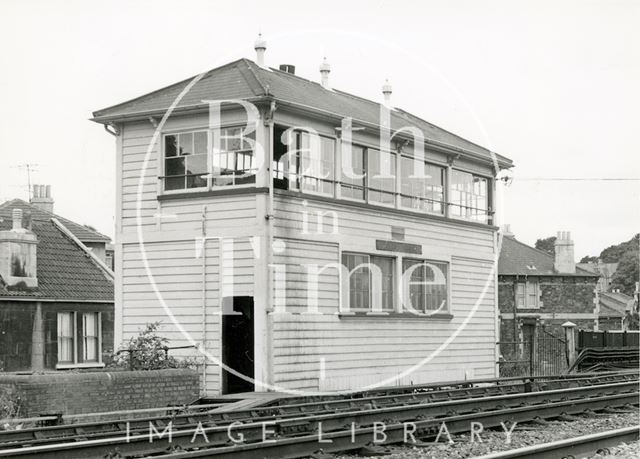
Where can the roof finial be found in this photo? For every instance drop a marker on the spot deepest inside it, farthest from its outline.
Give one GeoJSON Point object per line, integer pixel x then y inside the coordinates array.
{"type": "Point", "coordinates": [386, 91]}
{"type": "Point", "coordinates": [260, 46]}
{"type": "Point", "coordinates": [325, 68]}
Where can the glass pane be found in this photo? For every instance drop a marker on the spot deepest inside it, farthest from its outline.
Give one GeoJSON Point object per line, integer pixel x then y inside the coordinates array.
{"type": "Point", "coordinates": [200, 143]}
{"type": "Point", "coordinates": [427, 285]}
{"type": "Point", "coordinates": [381, 172]}
{"type": "Point", "coordinates": [359, 280]}
{"type": "Point", "coordinates": [174, 183]}
{"type": "Point", "coordinates": [469, 196]}
{"type": "Point", "coordinates": [186, 144]}
{"type": "Point", "coordinates": [196, 181]}
{"type": "Point", "coordinates": [174, 166]}
{"type": "Point", "coordinates": [170, 146]}
{"type": "Point", "coordinates": [353, 188]}
{"type": "Point", "coordinates": [422, 186]}
{"type": "Point", "coordinates": [386, 266]}
{"type": "Point", "coordinates": [196, 164]}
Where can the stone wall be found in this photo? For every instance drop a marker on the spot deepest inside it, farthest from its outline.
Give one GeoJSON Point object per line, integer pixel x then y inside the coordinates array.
{"type": "Point", "coordinates": [91, 392]}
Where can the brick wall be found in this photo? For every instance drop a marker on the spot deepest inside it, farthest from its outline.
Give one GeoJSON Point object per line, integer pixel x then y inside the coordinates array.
{"type": "Point", "coordinates": [90, 392]}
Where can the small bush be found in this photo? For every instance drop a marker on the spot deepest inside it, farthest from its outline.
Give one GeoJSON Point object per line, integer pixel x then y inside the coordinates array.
{"type": "Point", "coordinates": [149, 351]}
{"type": "Point", "coordinates": [9, 403]}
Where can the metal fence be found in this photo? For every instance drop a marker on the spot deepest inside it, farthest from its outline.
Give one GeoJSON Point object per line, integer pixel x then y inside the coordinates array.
{"type": "Point", "coordinates": [598, 339]}
{"type": "Point", "coordinates": [540, 356]}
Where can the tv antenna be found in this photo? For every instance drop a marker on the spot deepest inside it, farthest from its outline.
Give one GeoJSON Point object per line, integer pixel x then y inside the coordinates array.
{"type": "Point", "coordinates": [29, 167]}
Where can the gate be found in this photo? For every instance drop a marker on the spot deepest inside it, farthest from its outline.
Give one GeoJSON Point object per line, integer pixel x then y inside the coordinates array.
{"type": "Point", "coordinates": [542, 354]}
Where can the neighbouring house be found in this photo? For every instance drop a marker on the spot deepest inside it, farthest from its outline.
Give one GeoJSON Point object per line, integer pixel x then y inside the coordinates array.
{"type": "Point", "coordinates": [613, 309]}
{"type": "Point", "coordinates": [605, 270]}
{"type": "Point", "coordinates": [203, 229]}
{"type": "Point", "coordinates": [539, 291]}
{"type": "Point", "coordinates": [56, 295]}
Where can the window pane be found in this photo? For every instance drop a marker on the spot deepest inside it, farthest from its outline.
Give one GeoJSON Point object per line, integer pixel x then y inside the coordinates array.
{"type": "Point", "coordinates": [65, 337]}
{"type": "Point", "coordinates": [381, 173]}
{"type": "Point", "coordinates": [90, 337]}
{"type": "Point", "coordinates": [359, 280]}
{"type": "Point", "coordinates": [386, 266]}
{"type": "Point", "coordinates": [317, 154]}
{"type": "Point", "coordinates": [196, 164]}
{"type": "Point", "coordinates": [427, 285]}
{"type": "Point", "coordinates": [469, 196]}
{"type": "Point", "coordinates": [353, 188]}
{"type": "Point", "coordinates": [186, 144]}
{"type": "Point", "coordinates": [200, 143]}
{"type": "Point", "coordinates": [174, 166]}
{"type": "Point", "coordinates": [170, 146]}
{"type": "Point", "coordinates": [175, 183]}
{"type": "Point", "coordinates": [234, 164]}
{"type": "Point", "coordinates": [422, 186]}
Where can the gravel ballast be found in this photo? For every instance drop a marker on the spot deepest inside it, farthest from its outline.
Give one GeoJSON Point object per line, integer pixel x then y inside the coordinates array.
{"type": "Point", "coordinates": [523, 435]}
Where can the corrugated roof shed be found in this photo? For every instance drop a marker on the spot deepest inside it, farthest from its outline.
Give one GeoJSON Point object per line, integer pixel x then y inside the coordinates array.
{"type": "Point", "coordinates": [64, 270]}
{"type": "Point", "coordinates": [521, 259]}
{"type": "Point", "coordinates": [244, 79]}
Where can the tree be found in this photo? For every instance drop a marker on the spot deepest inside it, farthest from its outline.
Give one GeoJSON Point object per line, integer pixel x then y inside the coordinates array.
{"type": "Point", "coordinates": [614, 253]}
{"type": "Point", "coordinates": [547, 245]}
{"type": "Point", "coordinates": [626, 275]}
{"type": "Point", "coordinates": [588, 259]}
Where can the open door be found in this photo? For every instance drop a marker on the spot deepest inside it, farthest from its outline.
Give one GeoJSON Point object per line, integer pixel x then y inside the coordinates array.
{"type": "Point", "coordinates": [237, 345]}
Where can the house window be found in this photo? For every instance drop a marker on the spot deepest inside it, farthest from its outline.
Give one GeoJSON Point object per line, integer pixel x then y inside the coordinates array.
{"type": "Point", "coordinates": [354, 188]}
{"type": "Point", "coordinates": [66, 337]}
{"type": "Point", "coordinates": [469, 196]}
{"type": "Point", "coordinates": [422, 189]}
{"type": "Point", "coordinates": [317, 164]}
{"type": "Point", "coordinates": [381, 171]}
{"type": "Point", "coordinates": [233, 157]}
{"type": "Point", "coordinates": [426, 285]}
{"type": "Point", "coordinates": [79, 340]}
{"type": "Point", "coordinates": [185, 160]}
{"type": "Point", "coordinates": [90, 337]}
{"type": "Point", "coordinates": [528, 294]}
{"type": "Point", "coordinates": [361, 283]}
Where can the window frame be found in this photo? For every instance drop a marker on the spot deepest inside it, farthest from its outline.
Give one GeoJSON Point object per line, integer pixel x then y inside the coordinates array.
{"type": "Point", "coordinates": [447, 295]}
{"type": "Point", "coordinates": [525, 295]}
{"type": "Point", "coordinates": [77, 335]}
{"type": "Point", "coordinates": [487, 216]}
{"type": "Point", "coordinates": [443, 203]}
{"type": "Point", "coordinates": [209, 175]}
{"type": "Point", "coordinates": [394, 284]}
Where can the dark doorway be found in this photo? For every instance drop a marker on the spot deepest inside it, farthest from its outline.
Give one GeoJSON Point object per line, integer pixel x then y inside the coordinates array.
{"type": "Point", "coordinates": [237, 344]}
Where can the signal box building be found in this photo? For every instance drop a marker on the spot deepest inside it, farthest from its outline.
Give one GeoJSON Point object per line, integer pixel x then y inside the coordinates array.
{"type": "Point", "coordinates": [315, 261]}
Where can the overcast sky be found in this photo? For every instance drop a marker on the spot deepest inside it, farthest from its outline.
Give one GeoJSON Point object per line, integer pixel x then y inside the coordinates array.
{"type": "Point", "coordinates": [552, 85]}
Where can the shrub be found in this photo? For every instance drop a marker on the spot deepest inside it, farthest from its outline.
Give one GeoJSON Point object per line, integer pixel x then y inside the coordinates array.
{"type": "Point", "coordinates": [149, 351]}
{"type": "Point", "coordinates": [9, 403]}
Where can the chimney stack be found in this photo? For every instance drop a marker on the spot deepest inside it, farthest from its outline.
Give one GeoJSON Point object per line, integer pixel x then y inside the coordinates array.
{"type": "Point", "coordinates": [565, 262]}
{"type": "Point", "coordinates": [41, 198]}
{"type": "Point", "coordinates": [260, 46]}
{"type": "Point", "coordinates": [17, 220]}
{"type": "Point", "coordinates": [386, 92]}
{"type": "Point", "coordinates": [325, 68]}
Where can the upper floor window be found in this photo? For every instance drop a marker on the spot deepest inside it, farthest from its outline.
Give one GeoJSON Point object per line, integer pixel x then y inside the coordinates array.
{"type": "Point", "coordinates": [527, 294]}
{"type": "Point", "coordinates": [422, 189]}
{"type": "Point", "coordinates": [353, 182]}
{"type": "Point", "coordinates": [469, 196]}
{"type": "Point", "coordinates": [185, 160]}
{"type": "Point", "coordinates": [233, 157]}
{"type": "Point", "coordinates": [381, 172]}
{"type": "Point", "coordinates": [317, 163]}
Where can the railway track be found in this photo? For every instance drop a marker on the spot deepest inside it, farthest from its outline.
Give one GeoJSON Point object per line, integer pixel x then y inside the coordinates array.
{"type": "Point", "coordinates": [297, 406]}
{"type": "Point", "coordinates": [583, 446]}
{"type": "Point", "coordinates": [331, 430]}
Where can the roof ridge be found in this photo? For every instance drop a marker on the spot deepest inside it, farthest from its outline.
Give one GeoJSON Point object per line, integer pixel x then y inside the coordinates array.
{"type": "Point", "coordinates": [250, 65]}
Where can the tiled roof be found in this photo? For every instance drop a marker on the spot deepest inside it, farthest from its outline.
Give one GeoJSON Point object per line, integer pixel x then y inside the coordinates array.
{"type": "Point", "coordinates": [64, 270]}
{"type": "Point", "coordinates": [519, 258]}
{"type": "Point", "coordinates": [614, 304]}
{"type": "Point", "coordinates": [243, 79]}
{"type": "Point", "coordinates": [82, 232]}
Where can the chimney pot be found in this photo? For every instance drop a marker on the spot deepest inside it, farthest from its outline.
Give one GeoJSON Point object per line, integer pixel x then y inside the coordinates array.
{"type": "Point", "coordinates": [325, 69]}
{"type": "Point", "coordinates": [260, 46]}
{"type": "Point", "coordinates": [42, 198]}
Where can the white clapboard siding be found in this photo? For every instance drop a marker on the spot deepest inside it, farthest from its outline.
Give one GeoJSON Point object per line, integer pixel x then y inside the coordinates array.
{"type": "Point", "coordinates": [355, 352]}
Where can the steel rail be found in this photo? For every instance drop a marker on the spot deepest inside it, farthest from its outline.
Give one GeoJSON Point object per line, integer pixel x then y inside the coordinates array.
{"type": "Point", "coordinates": [586, 445]}
{"type": "Point", "coordinates": [513, 407]}
{"type": "Point", "coordinates": [100, 429]}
